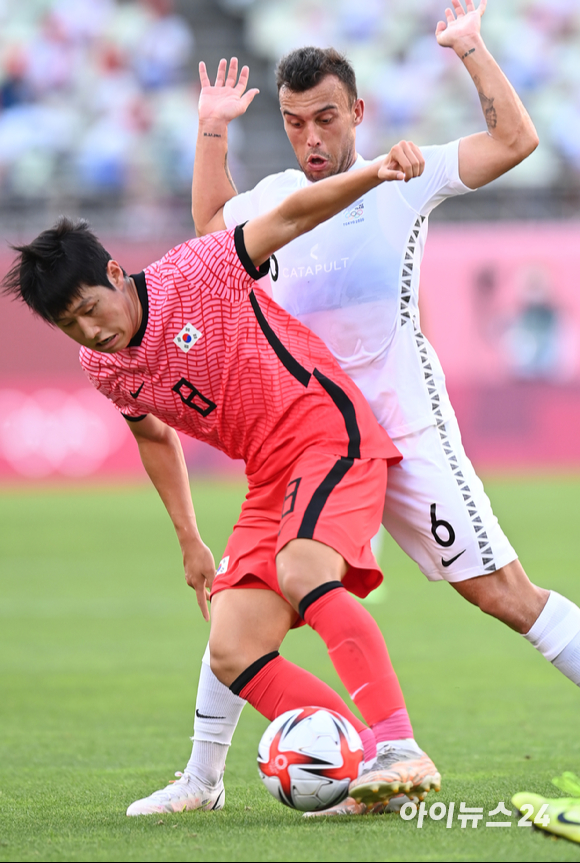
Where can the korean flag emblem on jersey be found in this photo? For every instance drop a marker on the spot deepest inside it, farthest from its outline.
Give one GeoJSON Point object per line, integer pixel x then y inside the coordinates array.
{"type": "Point", "coordinates": [223, 567]}
{"type": "Point", "coordinates": [187, 337]}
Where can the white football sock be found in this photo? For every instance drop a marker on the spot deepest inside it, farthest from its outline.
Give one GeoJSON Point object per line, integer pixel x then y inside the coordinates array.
{"type": "Point", "coordinates": [207, 762]}
{"type": "Point", "coordinates": [217, 711]}
{"type": "Point", "coordinates": [556, 634]}
{"type": "Point", "coordinates": [568, 662]}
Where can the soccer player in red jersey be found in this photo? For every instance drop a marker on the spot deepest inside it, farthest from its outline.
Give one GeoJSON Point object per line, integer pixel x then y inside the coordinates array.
{"type": "Point", "coordinates": [194, 344]}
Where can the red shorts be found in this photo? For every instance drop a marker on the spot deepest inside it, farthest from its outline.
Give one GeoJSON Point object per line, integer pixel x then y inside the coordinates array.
{"type": "Point", "coordinates": [333, 500]}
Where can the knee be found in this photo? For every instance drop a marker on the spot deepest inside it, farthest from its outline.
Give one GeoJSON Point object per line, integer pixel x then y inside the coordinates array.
{"type": "Point", "coordinates": [289, 579]}
{"type": "Point", "coordinates": [294, 583]}
{"type": "Point", "coordinates": [304, 564]}
{"type": "Point", "coordinates": [224, 662]}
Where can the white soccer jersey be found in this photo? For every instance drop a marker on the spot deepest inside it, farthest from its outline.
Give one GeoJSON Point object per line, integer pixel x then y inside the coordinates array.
{"type": "Point", "coordinates": [354, 280]}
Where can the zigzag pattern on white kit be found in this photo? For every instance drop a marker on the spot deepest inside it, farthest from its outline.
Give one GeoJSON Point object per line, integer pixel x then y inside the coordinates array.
{"type": "Point", "coordinates": [485, 549]}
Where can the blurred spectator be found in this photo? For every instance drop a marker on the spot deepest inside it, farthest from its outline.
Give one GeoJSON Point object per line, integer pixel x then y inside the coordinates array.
{"type": "Point", "coordinates": [94, 99]}
{"type": "Point", "coordinates": [15, 88]}
{"type": "Point", "coordinates": [165, 47]}
{"type": "Point", "coordinates": [533, 339]}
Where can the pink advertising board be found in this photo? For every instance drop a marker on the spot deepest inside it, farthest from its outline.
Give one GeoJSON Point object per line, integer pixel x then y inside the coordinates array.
{"type": "Point", "coordinates": [501, 305]}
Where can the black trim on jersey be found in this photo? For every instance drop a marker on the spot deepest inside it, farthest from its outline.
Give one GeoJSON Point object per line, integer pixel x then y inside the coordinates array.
{"type": "Point", "coordinates": [315, 594]}
{"type": "Point", "coordinates": [347, 409]}
{"type": "Point", "coordinates": [274, 268]}
{"type": "Point", "coordinates": [246, 261]}
{"type": "Point", "coordinates": [336, 393]}
{"type": "Point", "coordinates": [312, 512]}
{"type": "Point", "coordinates": [134, 419]}
{"type": "Point", "coordinates": [141, 286]}
{"type": "Point", "coordinates": [292, 365]}
{"type": "Point", "coordinates": [244, 678]}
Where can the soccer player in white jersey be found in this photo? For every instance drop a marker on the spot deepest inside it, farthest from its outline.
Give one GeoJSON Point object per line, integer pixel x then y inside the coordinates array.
{"type": "Point", "coordinates": [354, 281]}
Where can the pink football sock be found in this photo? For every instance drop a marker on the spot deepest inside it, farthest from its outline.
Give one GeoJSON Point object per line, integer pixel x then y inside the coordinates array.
{"type": "Point", "coordinates": [358, 652]}
{"type": "Point", "coordinates": [280, 685]}
{"type": "Point", "coordinates": [397, 726]}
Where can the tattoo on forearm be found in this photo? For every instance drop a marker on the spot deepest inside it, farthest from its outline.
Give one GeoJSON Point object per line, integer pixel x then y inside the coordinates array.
{"type": "Point", "coordinates": [487, 105]}
{"type": "Point", "coordinates": [467, 53]}
{"type": "Point", "coordinates": [211, 135]}
{"type": "Point", "coordinates": [228, 175]}
{"type": "Point", "coordinates": [489, 111]}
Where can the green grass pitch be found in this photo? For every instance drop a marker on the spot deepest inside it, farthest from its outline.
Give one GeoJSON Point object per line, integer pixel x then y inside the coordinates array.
{"type": "Point", "coordinates": [100, 642]}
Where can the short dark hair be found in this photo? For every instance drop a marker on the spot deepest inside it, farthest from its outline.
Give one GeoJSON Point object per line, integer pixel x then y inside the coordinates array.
{"type": "Point", "coordinates": [304, 68]}
{"type": "Point", "coordinates": [51, 271]}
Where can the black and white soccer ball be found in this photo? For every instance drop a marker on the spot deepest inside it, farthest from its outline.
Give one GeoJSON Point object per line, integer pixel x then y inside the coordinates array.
{"type": "Point", "coordinates": [308, 757]}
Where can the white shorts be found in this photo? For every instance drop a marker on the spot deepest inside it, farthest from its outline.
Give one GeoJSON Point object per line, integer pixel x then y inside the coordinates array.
{"type": "Point", "coordinates": [437, 510]}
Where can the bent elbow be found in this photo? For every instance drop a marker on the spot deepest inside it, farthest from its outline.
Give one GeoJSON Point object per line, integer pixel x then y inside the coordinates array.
{"type": "Point", "coordinates": [526, 142]}
{"type": "Point", "coordinates": [529, 142]}
{"type": "Point", "coordinates": [534, 142]}
{"type": "Point", "coordinates": [520, 147]}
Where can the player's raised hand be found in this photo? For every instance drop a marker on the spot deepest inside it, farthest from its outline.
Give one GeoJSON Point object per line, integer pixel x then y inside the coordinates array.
{"type": "Point", "coordinates": [461, 24]}
{"type": "Point", "coordinates": [199, 567]}
{"type": "Point", "coordinates": [403, 162]}
{"type": "Point", "coordinates": [227, 98]}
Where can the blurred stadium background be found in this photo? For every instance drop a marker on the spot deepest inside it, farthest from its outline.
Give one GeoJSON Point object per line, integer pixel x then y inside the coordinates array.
{"type": "Point", "coordinates": [98, 118]}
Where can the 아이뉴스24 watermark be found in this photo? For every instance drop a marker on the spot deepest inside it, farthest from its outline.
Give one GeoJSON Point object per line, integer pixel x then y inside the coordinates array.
{"type": "Point", "coordinates": [471, 814]}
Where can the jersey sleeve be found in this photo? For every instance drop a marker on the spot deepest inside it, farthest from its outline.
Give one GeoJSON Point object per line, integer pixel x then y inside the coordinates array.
{"type": "Point", "coordinates": [217, 263]}
{"type": "Point", "coordinates": [439, 180]}
{"type": "Point", "coordinates": [250, 204]}
{"type": "Point", "coordinates": [240, 209]}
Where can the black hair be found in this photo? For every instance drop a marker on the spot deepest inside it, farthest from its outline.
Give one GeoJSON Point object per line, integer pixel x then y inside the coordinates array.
{"type": "Point", "coordinates": [304, 68]}
{"type": "Point", "coordinates": [51, 271]}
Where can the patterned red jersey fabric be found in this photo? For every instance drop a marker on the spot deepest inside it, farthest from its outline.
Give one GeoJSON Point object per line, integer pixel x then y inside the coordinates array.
{"type": "Point", "coordinates": [219, 360]}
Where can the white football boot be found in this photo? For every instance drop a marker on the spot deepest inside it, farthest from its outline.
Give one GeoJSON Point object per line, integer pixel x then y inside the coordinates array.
{"type": "Point", "coordinates": [399, 768]}
{"type": "Point", "coordinates": [181, 795]}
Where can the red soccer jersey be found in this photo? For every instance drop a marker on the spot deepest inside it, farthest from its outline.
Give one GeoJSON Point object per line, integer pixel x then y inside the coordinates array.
{"type": "Point", "coordinates": [219, 360]}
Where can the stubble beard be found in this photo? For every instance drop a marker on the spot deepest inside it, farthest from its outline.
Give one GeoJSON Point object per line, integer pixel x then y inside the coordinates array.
{"type": "Point", "coordinates": [343, 163]}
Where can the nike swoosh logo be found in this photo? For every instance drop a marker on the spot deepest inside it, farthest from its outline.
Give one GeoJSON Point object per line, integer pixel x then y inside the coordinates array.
{"type": "Point", "coordinates": [203, 716]}
{"type": "Point", "coordinates": [216, 804]}
{"type": "Point", "coordinates": [136, 393]}
{"type": "Point", "coordinates": [563, 820]}
{"type": "Point", "coordinates": [447, 563]}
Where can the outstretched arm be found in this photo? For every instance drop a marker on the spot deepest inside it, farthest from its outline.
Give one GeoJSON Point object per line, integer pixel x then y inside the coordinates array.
{"type": "Point", "coordinates": [162, 457]}
{"type": "Point", "coordinates": [511, 135]}
{"type": "Point", "coordinates": [212, 183]}
{"type": "Point", "coordinates": [307, 208]}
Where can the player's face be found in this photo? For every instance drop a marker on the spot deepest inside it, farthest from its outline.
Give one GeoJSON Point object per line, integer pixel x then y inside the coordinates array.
{"type": "Point", "coordinates": [103, 318]}
{"type": "Point", "coordinates": [321, 126]}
